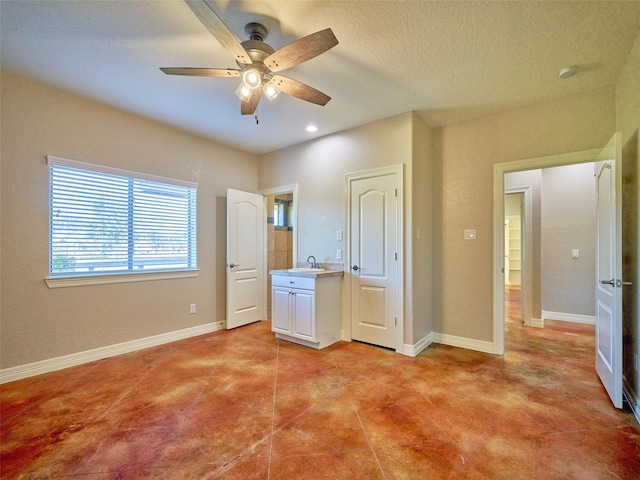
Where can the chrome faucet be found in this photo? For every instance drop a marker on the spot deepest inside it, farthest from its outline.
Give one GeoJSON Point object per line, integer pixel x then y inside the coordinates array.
{"type": "Point", "coordinates": [313, 264]}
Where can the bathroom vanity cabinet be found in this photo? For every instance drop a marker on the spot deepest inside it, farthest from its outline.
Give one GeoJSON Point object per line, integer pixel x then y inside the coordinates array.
{"type": "Point", "coordinates": [306, 308]}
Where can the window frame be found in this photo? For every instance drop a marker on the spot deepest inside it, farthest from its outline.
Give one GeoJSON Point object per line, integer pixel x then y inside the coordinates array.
{"type": "Point", "coordinates": [76, 279]}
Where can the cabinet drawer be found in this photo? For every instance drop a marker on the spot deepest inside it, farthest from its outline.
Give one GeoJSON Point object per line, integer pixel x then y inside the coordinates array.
{"type": "Point", "coordinates": [293, 282]}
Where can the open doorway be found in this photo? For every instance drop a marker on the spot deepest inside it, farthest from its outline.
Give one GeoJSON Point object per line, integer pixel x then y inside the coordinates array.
{"type": "Point", "coordinates": [531, 245]}
{"type": "Point", "coordinates": [281, 204]}
{"type": "Point", "coordinates": [552, 211]}
{"type": "Point", "coordinates": [514, 248]}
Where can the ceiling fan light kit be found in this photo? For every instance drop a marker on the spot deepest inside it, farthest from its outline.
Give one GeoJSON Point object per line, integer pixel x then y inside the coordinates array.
{"type": "Point", "coordinates": [258, 61]}
{"type": "Point", "coordinates": [270, 90]}
{"type": "Point", "coordinates": [252, 78]}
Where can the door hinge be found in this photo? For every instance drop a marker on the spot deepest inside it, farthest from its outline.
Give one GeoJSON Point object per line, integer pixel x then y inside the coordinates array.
{"type": "Point", "coordinates": [396, 321]}
{"type": "Point", "coordinates": [396, 256]}
{"type": "Point", "coordinates": [395, 192]}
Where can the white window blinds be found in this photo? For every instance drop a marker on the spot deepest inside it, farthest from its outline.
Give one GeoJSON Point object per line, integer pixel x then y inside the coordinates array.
{"type": "Point", "coordinates": [111, 221]}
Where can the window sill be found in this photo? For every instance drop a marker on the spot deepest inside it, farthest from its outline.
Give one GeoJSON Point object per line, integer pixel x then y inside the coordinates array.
{"type": "Point", "coordinates": [60, 282]}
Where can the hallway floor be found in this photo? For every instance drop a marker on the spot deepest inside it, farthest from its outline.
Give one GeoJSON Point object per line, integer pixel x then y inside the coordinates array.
{"type": "Point", "coordinates": [241, 405]}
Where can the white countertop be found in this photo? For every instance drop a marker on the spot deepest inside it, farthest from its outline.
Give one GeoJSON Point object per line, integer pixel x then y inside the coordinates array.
{"type": "Point", "coordinates": [309, 273]}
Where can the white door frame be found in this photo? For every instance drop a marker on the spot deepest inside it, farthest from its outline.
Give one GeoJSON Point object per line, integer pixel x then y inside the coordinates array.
{"type": "Point", "coordinates": [398, 171]}
{"type": "Point", "coordinates": [499, 169]}
{"type": "Point", "coordinates": [526, 259]}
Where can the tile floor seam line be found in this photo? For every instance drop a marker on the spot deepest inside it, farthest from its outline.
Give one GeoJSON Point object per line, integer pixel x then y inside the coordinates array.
{"type": "Point", "coordinates": [366, 434]}
{"type": "Point", "coordinates": [123, 395]}
{"type": "Point", "coordinates": [273, 408]}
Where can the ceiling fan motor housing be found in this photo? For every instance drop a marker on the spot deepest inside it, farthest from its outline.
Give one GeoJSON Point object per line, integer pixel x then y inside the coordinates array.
{"type": "Point", "coordinates": [256, 48]}
{"type": "Point", "coordinates": [256, 31]}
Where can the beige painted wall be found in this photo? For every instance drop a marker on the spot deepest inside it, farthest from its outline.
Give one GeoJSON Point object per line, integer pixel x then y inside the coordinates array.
{"type": "Point", "coordinates": [569, 222]}
{"type": "Point", "coordinates": [422, 222]}
{"type": "Point", "coordinates": [464, 156]}
{"type": "Point", "coordinates": [319, 168]}
{"type": "Point", "coordinates": [40, 323]}
{"type": "Point", "coordinates": [628, 95]}
{"type": "Point", "coordinates": [628, 122]}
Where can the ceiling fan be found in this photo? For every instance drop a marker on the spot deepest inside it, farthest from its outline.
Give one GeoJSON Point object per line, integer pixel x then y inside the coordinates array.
{"type": "Point", "coordinates": [258, 61]}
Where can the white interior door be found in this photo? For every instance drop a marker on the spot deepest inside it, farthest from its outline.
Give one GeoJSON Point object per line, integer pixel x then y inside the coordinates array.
{"type": "Point", "coordinates": [609, 270]}
{"type": "Point", "coordinates": [373, 251]}
{"type": "Point", "coordinates": [246, 275]}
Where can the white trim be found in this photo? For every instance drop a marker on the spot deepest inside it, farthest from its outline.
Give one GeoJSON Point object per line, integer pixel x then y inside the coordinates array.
{"type": "Point", "coordinates": [58, 363]}
{"type": "Point", "coordinates": [526, 258]}
{"type": "Point", "coordinates": [398, 171]}
{"type": "Point", "coordinates": [569, 317]}
{"type": "Point", "coordinates": [463, 342]}
{"type": "Point", "coordinates": [537, 322]}
{"type": "Point", "coordinates": [499, 169]}
{"type": "Point", "coordinates": [420, 345]}
{"type": "Point", "coordinates": [632, 399]}
{"type": "Point", "coordinates": [80, 280]}
{"type": "Point", "coordinates": [94, 167]}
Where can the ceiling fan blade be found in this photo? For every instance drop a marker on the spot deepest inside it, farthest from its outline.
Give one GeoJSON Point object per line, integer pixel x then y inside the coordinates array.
{"type": "Point", "coordinates": [202, 72]}
{"type": "Point", "coordinates": [300, 90]}
{"type": "Point", "coordinates": [247, 107]}
{"type": "Point", "coordinates": [301, 50]}
{"type": "Point", "coordinates": [219, 30]}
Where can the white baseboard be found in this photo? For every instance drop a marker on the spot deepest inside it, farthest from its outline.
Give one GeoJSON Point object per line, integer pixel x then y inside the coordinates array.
{"type": "Point", "coordinates": [416, 348]}
{"type": "Point", "coordinates": [462, 342]}
{"type": "Point", "coordinates": [569, 317]}
{"type": "Point", "coordinates": [71, 360]}
{"type": "Point", "coordinates": [632, 399]}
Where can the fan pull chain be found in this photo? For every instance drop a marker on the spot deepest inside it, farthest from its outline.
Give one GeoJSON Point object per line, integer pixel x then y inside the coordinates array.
{"type": "Point", "coordinates": [256, 117]}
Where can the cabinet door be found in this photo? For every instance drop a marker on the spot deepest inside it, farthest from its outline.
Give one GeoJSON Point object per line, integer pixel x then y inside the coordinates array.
{"type": "Point", "coordinates": [281, 310]}
{"type": "Point", "coordinates": [304, 314]}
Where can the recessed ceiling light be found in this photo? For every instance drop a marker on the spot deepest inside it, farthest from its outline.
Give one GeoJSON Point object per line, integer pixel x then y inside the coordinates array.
{"type": "Point", "coordinates": [312, 128]}
{"type": "Point", "coordinates": [567, 72]}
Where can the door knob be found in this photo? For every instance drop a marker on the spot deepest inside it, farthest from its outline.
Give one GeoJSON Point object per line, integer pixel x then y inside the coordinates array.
{"type": "Point", "coordinates": [355, 268]}
{"type": "Point", "coordinates": [233, 265]}
{"type": "Point", "coordinates": [611, 282]}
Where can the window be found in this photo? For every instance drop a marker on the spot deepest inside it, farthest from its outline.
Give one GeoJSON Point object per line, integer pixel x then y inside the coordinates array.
{"type": "Point", "coordinates": [110, 221]}
{"type": "Point", "coordinates": [282, 213]}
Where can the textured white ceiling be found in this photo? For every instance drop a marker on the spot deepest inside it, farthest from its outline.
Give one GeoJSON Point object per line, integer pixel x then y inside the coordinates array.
{"type": "Point", "coordinates": [448, 60]}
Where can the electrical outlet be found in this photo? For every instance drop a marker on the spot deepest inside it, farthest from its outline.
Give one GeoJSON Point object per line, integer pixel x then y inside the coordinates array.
{"type": "Point", "coordinates": [339, 254]}
{"type": "Point", "coordinates": [470, 234]}
{"type": "Point", "coordinates": [192, 308]}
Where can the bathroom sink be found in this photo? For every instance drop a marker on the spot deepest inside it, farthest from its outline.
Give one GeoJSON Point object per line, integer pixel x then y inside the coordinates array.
{"type": "Point", "coordinates": [306, 270]}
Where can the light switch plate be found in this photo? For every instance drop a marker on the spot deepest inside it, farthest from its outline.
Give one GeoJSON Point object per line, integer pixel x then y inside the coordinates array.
{"type": "Point", "coordinates": [575, 253]}
{"type": "Point", "coordinates": [339, 235]}
{"type": "Point", "coordinates": [470, 234]}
